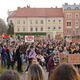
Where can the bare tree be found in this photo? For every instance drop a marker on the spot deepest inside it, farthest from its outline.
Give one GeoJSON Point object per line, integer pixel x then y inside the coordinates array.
{"type": "Point", "coordinates": [3, 27]}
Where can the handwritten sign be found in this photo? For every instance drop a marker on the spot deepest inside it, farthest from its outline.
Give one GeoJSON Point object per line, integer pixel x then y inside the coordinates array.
{"type": "Point", "coordinates": [74, 58]}
{"type": "Point", "coordinates": [62, 61]}
{"type": "Point", "coordinates": [62, 55]}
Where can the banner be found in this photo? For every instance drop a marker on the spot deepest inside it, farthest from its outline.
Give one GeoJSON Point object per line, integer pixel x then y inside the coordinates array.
{"type": "Point", "coordinates": [74, 58]}
{"type": "Point", "coordinates": [54, 33]}
{"type": "Point", "coordinates": [62, 55]}
{"type": "Point", "coordinates": [29, 38]}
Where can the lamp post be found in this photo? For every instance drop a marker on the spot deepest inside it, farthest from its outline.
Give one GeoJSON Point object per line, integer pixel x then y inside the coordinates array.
{"type": "Point", "coordinates": [30, 25]}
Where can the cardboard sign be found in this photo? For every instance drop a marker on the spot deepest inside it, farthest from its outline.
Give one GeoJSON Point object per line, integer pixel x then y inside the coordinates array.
{"type": "Point", "coordinates": [37, 39]}
{"type": "Point", "coordinates": [74, 58]}
{"type": "Point", "coordinates": [75, 40]}
{"type": "Point", "coordinates": [62, 61]}
{"type": "Point", "coordinates": [62, 55]}
{"type": "Point", "coordinates": [29, 38]}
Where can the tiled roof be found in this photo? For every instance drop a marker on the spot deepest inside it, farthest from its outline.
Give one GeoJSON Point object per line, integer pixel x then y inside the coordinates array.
{"type": "Point", "coordinates": [38, 12]}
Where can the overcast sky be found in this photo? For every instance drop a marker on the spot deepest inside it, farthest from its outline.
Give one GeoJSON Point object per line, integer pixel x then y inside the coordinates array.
{"type": "Point", "coordinates": [13, 4]}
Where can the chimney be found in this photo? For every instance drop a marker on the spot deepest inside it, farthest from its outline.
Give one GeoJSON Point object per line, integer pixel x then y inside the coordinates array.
{"type": "Point", "coordinates": [74, 3]}
{"type": "Point", "coordinates": [28, 6]}
{"type": "Point", "coordinates": [18, 7]}
{"type": "Point", "coordinates": [66, 3]}
{"type": "Point", "coordinates": [51, 7]}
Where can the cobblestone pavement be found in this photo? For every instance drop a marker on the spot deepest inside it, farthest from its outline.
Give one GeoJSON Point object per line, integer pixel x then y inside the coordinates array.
{"type": "Point", "coordinates": [24, 76]}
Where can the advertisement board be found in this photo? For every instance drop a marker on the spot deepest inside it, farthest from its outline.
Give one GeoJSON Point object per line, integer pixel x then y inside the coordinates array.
{"type": "Point", "coordinates": [29, 38]}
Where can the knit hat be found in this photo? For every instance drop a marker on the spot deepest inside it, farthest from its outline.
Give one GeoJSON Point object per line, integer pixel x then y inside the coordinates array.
{"type": "Point", "coordinates": [53, 54]}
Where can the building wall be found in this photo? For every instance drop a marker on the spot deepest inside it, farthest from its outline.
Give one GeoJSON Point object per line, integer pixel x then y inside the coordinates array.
{"type": "Point", "coordinates": [73, 20]}
{"type": "Point", "coordinates": [45, 24]}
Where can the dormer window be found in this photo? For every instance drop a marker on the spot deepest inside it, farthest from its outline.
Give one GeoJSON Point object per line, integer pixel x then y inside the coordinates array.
{"type": "Point", "coordinates": [68, 8]}
{"type": "Point", "coordinates": [76, 8]}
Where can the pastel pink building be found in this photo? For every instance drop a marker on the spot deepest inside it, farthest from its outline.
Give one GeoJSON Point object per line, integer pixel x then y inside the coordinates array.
{"type": "Point", "coordinates": [71, 20]}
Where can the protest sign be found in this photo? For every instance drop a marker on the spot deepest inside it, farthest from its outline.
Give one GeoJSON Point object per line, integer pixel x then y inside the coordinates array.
{"type": "Point", "coordinates": [62, 55]}
{"type": "Point", "coordinates": [74, 58]}
{"type": "Point", "coordinates": [29, 38]}
{"type": "Point", "coordinates": [62, 61]}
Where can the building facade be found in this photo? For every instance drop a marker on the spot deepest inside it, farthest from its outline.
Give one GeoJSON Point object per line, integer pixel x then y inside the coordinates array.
{"type": "Point", "coordinates": [38, 20]}
{"type": "Point", "coordinates": [71, 20]}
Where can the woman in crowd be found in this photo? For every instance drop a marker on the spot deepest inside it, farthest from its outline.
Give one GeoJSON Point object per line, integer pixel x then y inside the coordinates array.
{"type": "Point", "coordinates": [10, 75]}
{"type": "Point", "coordinates": [35, 72]}
{"type": "Point", "coordinates": [65, 71]}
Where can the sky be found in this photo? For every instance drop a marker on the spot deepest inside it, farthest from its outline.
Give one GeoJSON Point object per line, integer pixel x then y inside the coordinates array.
{"type": "Point", "coordinates": [12, 5]}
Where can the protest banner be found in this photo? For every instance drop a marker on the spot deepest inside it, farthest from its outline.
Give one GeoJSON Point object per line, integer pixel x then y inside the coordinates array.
{"type": "Point", "coordinates": [29, 38]}
{"type": "Point", "coordinates": [74, 59]}
{"type": "Point", "coordinates": [58, 37]}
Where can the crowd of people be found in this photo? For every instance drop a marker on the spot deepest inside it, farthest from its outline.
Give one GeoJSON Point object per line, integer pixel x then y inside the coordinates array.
{"type": "Point", "coordinates": [39, 54]}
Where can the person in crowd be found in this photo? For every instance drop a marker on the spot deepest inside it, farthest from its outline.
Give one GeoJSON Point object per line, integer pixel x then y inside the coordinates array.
{"type": "Point", "coordinates": [10, 75]}
{"type": "Point", "coordinates": [23, 48]}
{"type": "Point", "coordinates": [35, 72]}
{"type": "Point", "coordinates": [34, 61]}
{"type": "Point", "coordinates": [18, 56]}
{"type": "Point", "coordinates": [44, 49]}
{"type": "Point", "coordinates": [72, 49]}
{"type": "Point", "coordinates": [60, 50]}
{"type": "Point", "coordinates": [77, 51]}
{"type": "Point", "coordinates": [56, 51]}
{"type": "Point", "coordinates": [10, 59]}
{"type": "Point", "coordinates": [65, 71]}
{"type": "Point", "coordinates": [50, 49]}
{"type": "Point", "coordinates": [3, 55]}
{"type": "Point", "coordinates": [32, 54]}
{"type": "Point", "coordinates": [51, 63]}
{"type": "Point", "coordinates": [66, 53]}
{"type": "Point", "coordinates": [40, 59]}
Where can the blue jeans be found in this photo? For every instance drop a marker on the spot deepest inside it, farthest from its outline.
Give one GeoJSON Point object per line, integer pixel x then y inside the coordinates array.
{"type": "Point", "coordinates": [9, 67]}
{"type": "Point", "coordinates": [24, 55]}
{"type": "Point", "coordinates": [3, 58]}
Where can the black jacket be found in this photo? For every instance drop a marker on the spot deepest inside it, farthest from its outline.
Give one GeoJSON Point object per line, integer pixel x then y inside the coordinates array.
{"type": "Point", "coordinates": [9, 62]}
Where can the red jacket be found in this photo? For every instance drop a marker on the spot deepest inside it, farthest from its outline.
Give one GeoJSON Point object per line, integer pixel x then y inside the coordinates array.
{"type": "Point", "coordinates": [50, 64]}
{"type": "Point", "coordinates": [5, 48]}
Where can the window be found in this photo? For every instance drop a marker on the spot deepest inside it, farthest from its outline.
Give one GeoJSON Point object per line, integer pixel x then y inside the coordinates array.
{"type": "Point", "coordinates": [54, 29]}
{"type": "Point", "coordinates": [30, 21]}
{"type": "Point", "coordinates": [41, 29]}
{"type": "Point", "coordinates": [18, 29]}
{"type": "Point", "coordinates": [48, 28]}
{"type": "Point", "coordinates": [59, 28]}
{"type": "Point", "coordinates": [77, 24]}
{"type": "Point", "coordinates": [59, 21]}
{"type": "Point", "coordinates": [77, 32]}
{"type": "Point", "coordinates": [41, 21]}
{"type": "Point", "coordinates": [31, 29]}
{"type": "Point", "coordinates": [36, 21]}
{"type": "Point", "coordinates": [68, 15]}
{"type": "Point", "coordinates": [48, 21]}
{"type": "Point", "coordinates": [23, 21]}
{"type": "Point", "coordinates": [18, 21]}
{"type": "Point", "coordinates": [68, 31]}
{"type": "Point", "coordinates": [68, 23]}
{"type": "Point", "coordinates": [68, 8]}
{"type": "Point", "coordinates": [76, 8]}
{"type": "Point", "coordinates": [54, 21]}
{"type": "Point", "coordinates": [76, 15]}
{"type": "Point", "coordinates": [10, 21]}
{"type": "Point", "coordinates": [24, 29]}
{"type": "Point", "coordinates": [36, 29]}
